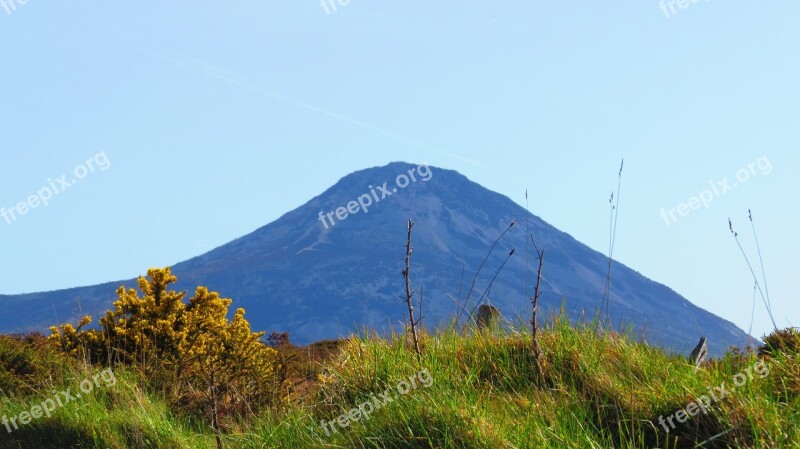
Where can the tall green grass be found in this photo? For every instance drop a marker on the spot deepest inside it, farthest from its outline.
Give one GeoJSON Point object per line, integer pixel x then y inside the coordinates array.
{"type": "Point", "coordinates": [596, 391]}
{"type": "Point", "coordinates": [118, 416]}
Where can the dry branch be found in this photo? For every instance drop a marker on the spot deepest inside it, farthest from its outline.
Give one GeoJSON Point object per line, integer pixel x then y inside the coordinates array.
{"type": "Point", "coordinates": [410, 292]}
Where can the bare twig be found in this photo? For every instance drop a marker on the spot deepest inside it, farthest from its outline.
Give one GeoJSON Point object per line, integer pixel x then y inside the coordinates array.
{"type": "Point", "coordinates": [410, 292]}
{"type": "Point", "coordinates": [214, 408]}
{"type": "Point", "coordinates": [534, 325]}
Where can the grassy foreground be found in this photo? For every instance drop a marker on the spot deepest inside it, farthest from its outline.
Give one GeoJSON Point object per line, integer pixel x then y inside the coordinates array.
{"type": "Point", "coordinates": [475, 391]}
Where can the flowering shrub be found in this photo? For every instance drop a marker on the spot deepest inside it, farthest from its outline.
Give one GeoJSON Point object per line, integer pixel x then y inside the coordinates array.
{"type": "Point", "coordinates": [205, 362]}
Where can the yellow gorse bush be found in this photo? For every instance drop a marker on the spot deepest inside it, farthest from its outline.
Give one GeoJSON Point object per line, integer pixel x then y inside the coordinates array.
{"type": "Point", "coordinates": [188, 348]}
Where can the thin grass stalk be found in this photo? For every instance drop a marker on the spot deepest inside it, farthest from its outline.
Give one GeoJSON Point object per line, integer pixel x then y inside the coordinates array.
{"type": "Point", "coordinates": [475, 278]}
{"type": "Point", "coordinates": [752, 312]}
{"type": "Point", "coordinates": [421, 296]}
{"type": "Point", "coordinates": [760, 259]}
{"type": "Point", "coordinates": [612, 240]}
{"type": "Point", "coordinates": [752, 272]}
{"type": "Point", "coordinates": [486, 292]}
{"type": "Point", "coordinates": [610, 246]}
{"type": "Point", "coordinates": [527, 232]}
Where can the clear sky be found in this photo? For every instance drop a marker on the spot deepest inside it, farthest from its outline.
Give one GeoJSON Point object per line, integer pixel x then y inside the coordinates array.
{"type": "Point", "coordinates": [206, 120]}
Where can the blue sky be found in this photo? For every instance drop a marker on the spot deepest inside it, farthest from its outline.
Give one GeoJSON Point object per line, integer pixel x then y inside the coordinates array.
{"type": "Point", "coordinates": [215, 119]}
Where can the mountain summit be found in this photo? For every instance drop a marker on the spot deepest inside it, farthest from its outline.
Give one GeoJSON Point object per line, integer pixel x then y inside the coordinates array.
{"type": "Point", "coordinates": [333, 266]}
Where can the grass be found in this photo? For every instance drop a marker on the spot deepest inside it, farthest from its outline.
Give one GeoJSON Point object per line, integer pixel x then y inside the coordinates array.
{"type": "Point", "coordinates": [595, 391]}
{"type": "Point", "coordinates": [119, 415]}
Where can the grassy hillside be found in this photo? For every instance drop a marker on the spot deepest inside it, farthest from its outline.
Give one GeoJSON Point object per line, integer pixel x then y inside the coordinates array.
{"type": "Point", "coordinates": [468, 391]}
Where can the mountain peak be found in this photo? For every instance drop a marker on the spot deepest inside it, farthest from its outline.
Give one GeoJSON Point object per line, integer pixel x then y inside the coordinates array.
{"type": "Point", "coordinates": [332, 266]}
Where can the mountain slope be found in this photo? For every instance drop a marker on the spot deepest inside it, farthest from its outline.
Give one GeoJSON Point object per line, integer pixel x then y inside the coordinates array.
{"type": "Point", "coordinates": [318, 280]}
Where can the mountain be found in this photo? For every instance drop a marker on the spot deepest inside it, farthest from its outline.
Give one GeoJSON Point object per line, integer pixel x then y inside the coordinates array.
{"type": "Point", "coordinates": [317, 275]}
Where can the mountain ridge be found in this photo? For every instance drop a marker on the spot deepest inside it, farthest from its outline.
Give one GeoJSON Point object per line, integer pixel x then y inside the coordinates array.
{"type": "Point", "coordinates": [297, 275]}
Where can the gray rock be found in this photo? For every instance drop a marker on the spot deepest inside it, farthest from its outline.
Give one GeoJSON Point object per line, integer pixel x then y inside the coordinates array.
{"type": "Point", "coordinates": [488, 317]}
{"type": "Point", "coordinates": [699, 354]}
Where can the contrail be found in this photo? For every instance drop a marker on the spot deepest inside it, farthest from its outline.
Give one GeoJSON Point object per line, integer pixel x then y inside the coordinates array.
{"type": "Point", "coordinates": [215, 73]}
